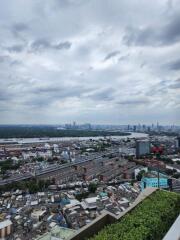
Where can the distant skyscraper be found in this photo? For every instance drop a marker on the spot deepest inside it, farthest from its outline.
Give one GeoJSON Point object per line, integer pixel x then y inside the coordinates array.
{"type": "Point", "coordinates": [178, 142]}
{"type": "Point", "coordinates": [142, 147]}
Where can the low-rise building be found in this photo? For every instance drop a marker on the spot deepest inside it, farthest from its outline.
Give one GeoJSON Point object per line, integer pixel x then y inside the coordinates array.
{"type": "Point", "coordinates": [38, 214]}
{"type": "Point", "coordinates": [5, 228]}
{"type": "Point", "coordinates": [89, 203]}
{"type": "Point", "coordinates": [151, 180]}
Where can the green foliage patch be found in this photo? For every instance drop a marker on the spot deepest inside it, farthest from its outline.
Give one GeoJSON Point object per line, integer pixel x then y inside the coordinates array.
{"type": "Point", "coordinates": [150, 220]}
{"type": "Point", "coordinates": [50, 131]}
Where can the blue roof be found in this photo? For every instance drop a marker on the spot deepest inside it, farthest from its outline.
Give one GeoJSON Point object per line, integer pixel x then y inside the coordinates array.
{"type": "Point", "coordinates": [103, 194]}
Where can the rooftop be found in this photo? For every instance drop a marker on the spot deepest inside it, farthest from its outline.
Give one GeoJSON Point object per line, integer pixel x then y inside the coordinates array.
{"type": "Point", "coordinates": [5, 223]}
{"type": "Point", "coordinates": [58, 233]}
{"type": "Point", "coordinates": [91, 200]}
{"type": "Point", "coordinates": [151, 219]}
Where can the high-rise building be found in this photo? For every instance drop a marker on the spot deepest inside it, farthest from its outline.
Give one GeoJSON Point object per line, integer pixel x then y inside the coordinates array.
{"type": "Point", "coordinates": [142, 147]}
{"type": "Point", "coordinates": [177, 142]}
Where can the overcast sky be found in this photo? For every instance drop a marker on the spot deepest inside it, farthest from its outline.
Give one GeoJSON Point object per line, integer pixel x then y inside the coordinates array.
{"type": "Point", "coordinates": [97, 61]}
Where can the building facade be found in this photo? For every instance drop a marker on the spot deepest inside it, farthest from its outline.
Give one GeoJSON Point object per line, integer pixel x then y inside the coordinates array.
{"type": "Point", "coordinates": [153, 182]}
{"type": "Point", "coordinates": [142, 148]}
{"type": "Point", "coordinates": [5, 228]}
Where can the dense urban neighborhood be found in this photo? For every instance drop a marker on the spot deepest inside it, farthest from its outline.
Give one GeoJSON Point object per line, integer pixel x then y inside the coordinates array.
{"type": "Point", "coordinates": [89, 120]}
{"type": "Point", "coordinates": [56, 186]}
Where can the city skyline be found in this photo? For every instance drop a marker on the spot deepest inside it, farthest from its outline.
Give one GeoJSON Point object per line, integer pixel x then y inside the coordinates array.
{"type": "Point", "coordinates": [103, 62]}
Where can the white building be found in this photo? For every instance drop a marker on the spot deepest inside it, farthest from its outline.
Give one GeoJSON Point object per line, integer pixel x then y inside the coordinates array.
{"type": "Point", "coordinates": [28, 155]}
{"type": "Point", "coordinates": [137, 170]}
{"type": "Point", "coordinates": [127, 151]}
{"type": "Point", "coordinates": [89, 203]}
{"type": "Point", "coordinates": [5, 228]}
{"type": "Point", "coordinates": [45, 154]}
{"type": "Point", "coordinates": [65, 154]}
{"type": "Point", "coordinates": [38, 214]}
{"type": "Point", "coordinates": [56, 148]}
{"type": "Point", "coordinates": [175, 159]}
{"type": "Point", "coordinates": [47, 146]}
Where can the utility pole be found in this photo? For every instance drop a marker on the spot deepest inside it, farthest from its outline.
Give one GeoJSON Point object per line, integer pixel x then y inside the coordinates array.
{"type": "Point", "coordinates": [157, 152]}
{"type": "Point", "coordinates": [160, 151]}
{"type": "Point", "coordinates": [158, 169]}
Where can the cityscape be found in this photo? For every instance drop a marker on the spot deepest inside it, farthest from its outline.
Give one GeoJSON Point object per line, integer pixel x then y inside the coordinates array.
{"type": "Point", "coordinates": [89, 120]}
{"type": "Point", "coordinates": [56, 186]}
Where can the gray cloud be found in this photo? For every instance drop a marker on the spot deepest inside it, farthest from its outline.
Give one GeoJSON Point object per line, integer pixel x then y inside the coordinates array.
{"type": "Point", "coordinates": [20, 27]}
{"type": "Point", "coordinates": [42, 44]}
{"type": "Point", "coordinates": [102, 95]}
{"type": "Point", "coordinates": [4, 96]}
{"type": "Point", "coordinates": [4, 58]}
{"type": "Point", "coordinates": [154, 35]}
{"type": "Point", "coordinates": [174, 65]}
{"type": "Point", "coordinates": [158, 89]}
{"type": "Point", "coordinates": [16, 48]}
{"type": "Point", "coordinates": [59, 92]}
{"type": "Point", "coordinates": [62, 45]}
{"type": "Point", "coordinates": [140, 37]}
{"type": "Point", "coordinates": [56, 61]}
{"type": "Point", "coordinates": [172, 30]}
{"type": "Point", "coordinates": [142, 65]}
{"type": "Point", "coordinates": [16, 63]}
{"type": "Point", "coordinates": [134, 102]}
{"type": "Point", "coordinates": [111, 55]}
{"type": "Point", "coordinates": [124, 57]}
{"type": "Point", "coordinates": [68, 3]}
{"type": "Point", "coordinates": [46, 95]}
{"type": "Point", "coordinates": [175, 85]}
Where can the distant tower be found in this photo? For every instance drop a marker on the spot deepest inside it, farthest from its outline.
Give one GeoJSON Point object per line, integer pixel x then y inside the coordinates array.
{"type": "Point", "coordinates": [177, 142]}
{"type": "Point", "coordinates": [142, 148]}
{"type": "Point", "coordinates": [157, 125]}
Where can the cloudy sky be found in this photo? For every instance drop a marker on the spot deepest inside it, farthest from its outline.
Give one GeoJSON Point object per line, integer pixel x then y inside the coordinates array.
{"type": "Point", "coordinates": [97, 61]}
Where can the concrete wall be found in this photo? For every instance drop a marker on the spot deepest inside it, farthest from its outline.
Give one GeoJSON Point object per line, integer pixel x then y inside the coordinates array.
{"type": "Point", "coordinates": [108, 218]}
{"type": "Point", "coordinates": [174, 231]}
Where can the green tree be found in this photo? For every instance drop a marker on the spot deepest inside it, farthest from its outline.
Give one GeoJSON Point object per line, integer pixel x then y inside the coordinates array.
{"type": "Point", "coordinates": [92, 187]}
{"type": "Point", "coordinates": [82, 195]}
{"type": "Point", "coordinates": [40, 159]}
{"type": "Point", "coordinates": [176, 175]}
{"type": "Point", "coordinates": [140, 175]}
